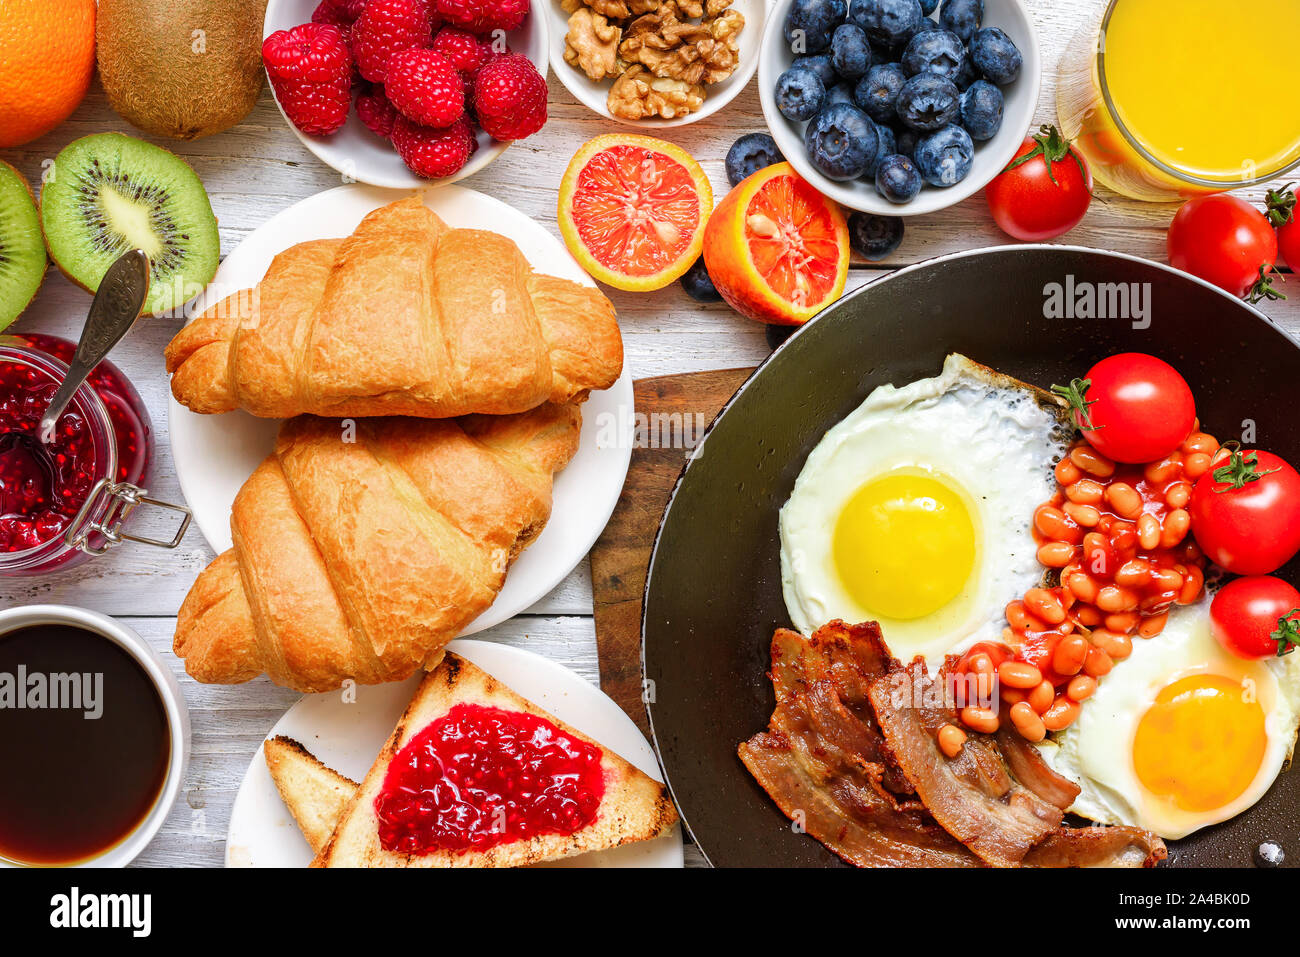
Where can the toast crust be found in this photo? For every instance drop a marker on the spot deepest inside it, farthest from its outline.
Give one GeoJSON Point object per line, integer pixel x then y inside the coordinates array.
{"type": "Point", "coordinates": [316, 795]}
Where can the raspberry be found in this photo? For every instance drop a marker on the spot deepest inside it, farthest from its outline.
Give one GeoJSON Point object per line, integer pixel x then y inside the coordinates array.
{"type": "Point", "coordinates": [424, 86]}
{"type": "Point", "coordinates": [462, 49]}
{"type": "Point", "coordinates": [510, 98]}
{"type": "Point", "coordinates": [482, 16]}
{"type": "Point", "coordinates": [433, 153]}
{"type": "Point", "coordinates": [376, 111]}
{"type": "Point", "coordinates": [341, 13]}
{"type": "Point", "coordinates": [311, 72]}
{"type": "Point", "coordinates": [387, 27]}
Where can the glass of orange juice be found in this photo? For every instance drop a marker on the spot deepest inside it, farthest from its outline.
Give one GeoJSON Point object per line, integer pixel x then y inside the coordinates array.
{"type": "Point", "coordinates": [1174, 98]}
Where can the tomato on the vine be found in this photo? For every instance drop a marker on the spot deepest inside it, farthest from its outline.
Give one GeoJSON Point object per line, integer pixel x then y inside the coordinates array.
{"type": "Point", "coordinates": [1256, 617]}
{"type": "Point", "coordinates": [1226, 241]}
{"type": "Point", "coordinates": [1246, 511]}
{"type": "Point", "coordinates": [1044, 191]}
{"type": "Point", "coordinates": [1281, 213]}
{"type": "Point", "coordinates": [1132, 407]}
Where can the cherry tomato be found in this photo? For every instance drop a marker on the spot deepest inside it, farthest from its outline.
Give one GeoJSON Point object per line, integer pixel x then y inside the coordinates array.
{"type": "Point", "coordinates": [1226, 241]}
{"type": "Point", "coordinates": [1256, 617]}
{"type": "Point", "coordinates": [1281, 213]}
{"type": "Point", "coordinates": [1045, 190]}
{"type": "Point", "coordinates": [1132, 407]}
{"type": "Point", "coordinates": [1246, 511]}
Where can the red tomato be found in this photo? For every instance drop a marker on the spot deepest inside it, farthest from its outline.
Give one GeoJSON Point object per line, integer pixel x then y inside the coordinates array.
{"type": "Point", "coordinates": [1045, 190]}
{"type": "Point", "coordinates": [1256, 617]}
{"type": "Point", "coordinates": [1246, 511]}
{"type": "Point", "coordinates": [1226, 241]}
{"type": "Point", "coordinates": [1132, 407]}
{"type": "Point", "coordinates": [1281, 213]}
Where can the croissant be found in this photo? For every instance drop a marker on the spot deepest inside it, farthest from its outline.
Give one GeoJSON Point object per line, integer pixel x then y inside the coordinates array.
{"type": "Point", "coordinates": [406, 316]}
{"type": "Point", "coordinates": [361, 547]}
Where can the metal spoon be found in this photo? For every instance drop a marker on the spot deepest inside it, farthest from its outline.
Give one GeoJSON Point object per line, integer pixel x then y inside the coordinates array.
{"type": "Point", "coordinates": [116, 307]}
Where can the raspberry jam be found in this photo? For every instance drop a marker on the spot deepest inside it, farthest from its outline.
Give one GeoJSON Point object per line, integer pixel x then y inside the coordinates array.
{"type": "Point", "coordinates": [104, 433]}
{"type": "Point", "coordinates": [479, 776]}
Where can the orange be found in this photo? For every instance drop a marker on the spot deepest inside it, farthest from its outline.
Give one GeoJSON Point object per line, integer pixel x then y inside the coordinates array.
{"type": "Point", "coordinates": [47, 57]}
{"type": "Point", "coordinates": [632, 210]}
{"type": "Point", "coordinates": [777, 249]}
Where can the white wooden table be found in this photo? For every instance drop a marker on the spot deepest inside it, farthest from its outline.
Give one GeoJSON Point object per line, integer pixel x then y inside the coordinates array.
{"type": "Point", "coordinates": [259, 168]}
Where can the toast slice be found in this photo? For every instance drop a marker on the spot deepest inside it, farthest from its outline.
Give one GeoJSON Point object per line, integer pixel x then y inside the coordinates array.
{"type": "Point", "coordinates": [634, 807]}
{"type": "Point", "coordinates": [315, 795]}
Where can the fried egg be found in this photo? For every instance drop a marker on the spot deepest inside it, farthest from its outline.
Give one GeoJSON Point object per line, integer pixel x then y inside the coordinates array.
{"type": "Point", "coordinates": [914, 511]}
{"type": "Point", "coordinates": [1182, 733]}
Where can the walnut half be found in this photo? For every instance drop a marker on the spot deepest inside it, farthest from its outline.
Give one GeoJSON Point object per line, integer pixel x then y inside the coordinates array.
{"type": "Point", "coordinates": [667, 46]}
{"type": "Point", "coordinates": [639, 94]}
{"type": "Point", "coordinates": [591, 44]}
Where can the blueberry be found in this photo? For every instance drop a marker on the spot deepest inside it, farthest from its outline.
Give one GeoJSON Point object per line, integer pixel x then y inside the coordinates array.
{"type": "Point", "coordinates": [928, 7]}
{"type": "Point", "coordinates": [944, 156]}
{"type": "Point", "coordinates": [841, 141]}
{"type": "Point", "coordinates": [995, 56]}
{"type": "Point", "coordinates": [966, 73]}
{"type": "Point", "coordinates": [850, 53]}
{"type": "Point", "coordinates": [698, 285]}
{"type": "Point", "coordinates": [907, 142]}
{"type": "Point", "coordinates": [888, 23]}
{"type": "Point", "coordinates": [927, 102]}
{"type": "Point", "coordinates": [897, 178]}
{"type": "Point", "coordinates": [819, 63]}
{"type": "Point", "coordinates": [887, 145]}
{"type": "Point", "coordinates": [928, 25]}
{"type": "Point", "coordinates": [810, 23]}
{"type": "Point", "coordinates": [877, 92]}
{"type": "Point", "coordinates": [874, 237]}
{"type": "Point", "coordinates": [749, 154]}
{"type": "Point", "coordinates": [840, 93]}
{"type": "Point", "coordinates": [981, 110]}
{"type": "Point", "coordinates": [962, 17]}
{"type": "Point", "coordinates": [938, 52]}
{"type": "Point", "coordinates": [799, 94]}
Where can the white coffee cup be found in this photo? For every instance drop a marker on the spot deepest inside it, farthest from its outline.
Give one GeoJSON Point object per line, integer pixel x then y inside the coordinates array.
{"type": "Point", "coordinates": [169, 693]}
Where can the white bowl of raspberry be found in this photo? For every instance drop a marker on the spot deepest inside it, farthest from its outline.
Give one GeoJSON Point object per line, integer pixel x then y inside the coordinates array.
{"type": "Point", "coordinates": [442, 135]}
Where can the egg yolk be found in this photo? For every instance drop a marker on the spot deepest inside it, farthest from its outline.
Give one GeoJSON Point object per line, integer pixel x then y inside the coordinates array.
{"type": "Point", "coordinates": [1201, 743]}
{"type": "Point", "coordinates": [904, 546]}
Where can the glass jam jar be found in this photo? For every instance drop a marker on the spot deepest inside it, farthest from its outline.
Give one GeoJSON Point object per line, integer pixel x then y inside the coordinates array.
{"type": "Point", "coordinates": [64, 500]}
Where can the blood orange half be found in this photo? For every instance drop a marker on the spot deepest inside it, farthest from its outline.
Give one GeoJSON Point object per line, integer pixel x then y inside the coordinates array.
{"type": "Point", "coordinates": [632, 210]}
{"type": "Point", "coordinates": [777, 249]}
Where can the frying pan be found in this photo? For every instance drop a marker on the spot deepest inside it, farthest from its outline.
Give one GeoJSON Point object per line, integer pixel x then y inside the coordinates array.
{"type": "Point", "coordinates": [713, 592]}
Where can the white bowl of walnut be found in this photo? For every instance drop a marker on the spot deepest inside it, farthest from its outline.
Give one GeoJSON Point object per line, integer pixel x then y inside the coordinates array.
{"type": "Point", "coordinates": [655, 63]}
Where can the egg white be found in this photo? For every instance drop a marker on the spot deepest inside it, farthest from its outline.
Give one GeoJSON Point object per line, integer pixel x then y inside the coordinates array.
{"type": "Point", "coordinates": [1096, 752]}
{"type": "Point", "coordinates": [989, 438]}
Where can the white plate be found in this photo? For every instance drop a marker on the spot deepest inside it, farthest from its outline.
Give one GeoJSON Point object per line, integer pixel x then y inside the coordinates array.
{"type": "Point", "coordinates": [991, 157]}
{"type": "Point", "coordinates": [347, 737]}
{"type": "Point", "coordinates": [595, 95]}
{"type": "Point", "coordinates": [215, 454]}
{"type": "Point", "coordinates": [361, 155]}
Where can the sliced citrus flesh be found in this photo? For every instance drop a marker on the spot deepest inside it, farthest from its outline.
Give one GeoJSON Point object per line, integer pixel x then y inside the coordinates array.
{"type": "Point", "coordinates": [632, 210]}
{"type": "Point", "coordinates": [776, 249]}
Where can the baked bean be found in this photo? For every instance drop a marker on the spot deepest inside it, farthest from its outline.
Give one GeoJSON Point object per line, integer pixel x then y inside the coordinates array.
{"type": "Point", "coordinates": [1148, 527]}
{"type": "Point", "coordinates": [1114, 598]}
{"type": "Point", "coordinates": [1169, 579]}
{"type": "Point", "coordinates": [1091, 461]}
{"type": "Point", "coordinates": [1098, 556]}
{"type": "Point", "coordinates": [1087, 615]}
{"type": "Point", "coordinates": [1043, 604]}
{"type": "Point", "coordinates": [980, 664]}
{"type": "Point", "coordinates": [1192, 586]}
{"type": "Point", "coordinates": [1133, 574]}
{"type": "Point", "coordinates": [1011, 696]}
{"type": "Point", "coordinates": [1027, 722]}
{"type": "Point", "coordinates": [1053, 524]}
{"type": "Point", "coordinates": [1124, 499]}
{"type": "Point", "coordinates": [1200, 442]}
{"type": "Point", "coordinates": [1175, 527]}
{"type": "Point", "coordinates": [1082, 587]}
{"type": "Point", "coordinates": [1081, 688]}
{"type": "Point", "coordinates": [1097, 663]}
{"type": "Point", "coordinates": [1067, 473]}
{"type": "Point", "coordinates": [1178, 495]}
{"type": "Point", "coordinates": [1019, 618]}
{"type": "Point", "coordinates": [1041, 697]}
{"type": "Point", "coordinates": [1068, 655]}
{"type": "Point", "coordinates": [1116, 644]}
{"type": "Point", "coordinates": [1055, 554]}
{"type": "Point", "coordinates": [1086, 515]}
{"type": "Point", "coordinates": [1153, 625]}
{"type": "Point", "coordinates": [1061, 714]}
{"type": "Point", "coordinates": [951, 740]}
{"type": "Point", "coordinates": [1164, 470]}
{"type": "Point", "coordinates": [1197, 464]}
{"type": "Point", "coordinates": [1085, 492]}
{"type": "Point", "coordinates": [979, 719]}
{"type": "Point", "coordinates": [1019, 674]}
{"type": "Point", "coordinates": [1123, 622]}
{"type": "Point", "coordinates": [984, 684]}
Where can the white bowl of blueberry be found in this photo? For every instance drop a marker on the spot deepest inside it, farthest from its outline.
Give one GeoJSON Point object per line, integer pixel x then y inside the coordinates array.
{"type": "Point", "coordinates": [899, 107]}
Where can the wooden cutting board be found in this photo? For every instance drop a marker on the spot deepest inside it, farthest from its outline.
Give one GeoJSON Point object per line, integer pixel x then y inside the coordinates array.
{"type": "Point", "coordinates": [671, 415]}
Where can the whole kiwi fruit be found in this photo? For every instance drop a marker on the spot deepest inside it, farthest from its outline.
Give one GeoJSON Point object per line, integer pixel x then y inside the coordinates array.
{"type": "Point", "coordinates": [181, 68]}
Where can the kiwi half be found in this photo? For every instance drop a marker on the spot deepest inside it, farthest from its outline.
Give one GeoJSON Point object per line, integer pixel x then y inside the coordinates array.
{"type": "Point", "coordinates": [109, 193]}
{"type": "Point", "coordinates": [22, 250]}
